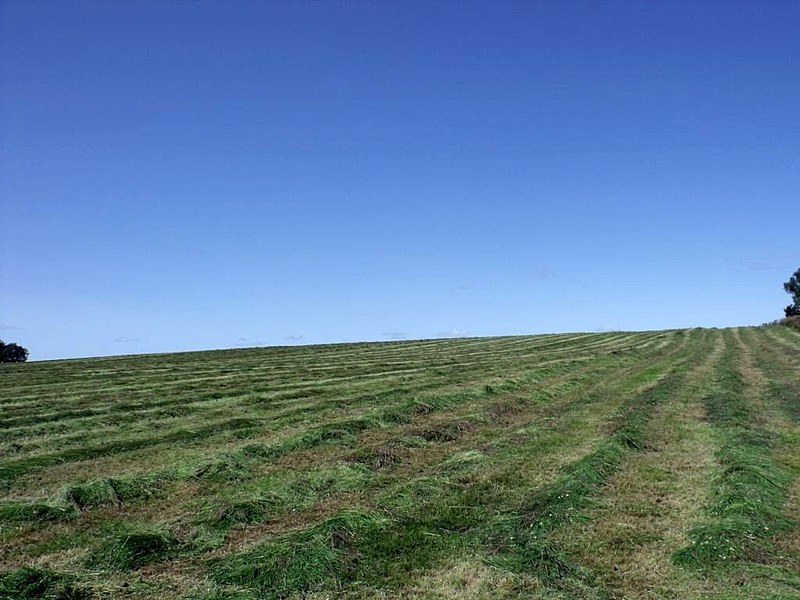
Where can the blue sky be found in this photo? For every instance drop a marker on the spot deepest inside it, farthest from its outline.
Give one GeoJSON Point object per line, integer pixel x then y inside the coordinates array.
{"type": "Point", "coordinates": [182, 175]}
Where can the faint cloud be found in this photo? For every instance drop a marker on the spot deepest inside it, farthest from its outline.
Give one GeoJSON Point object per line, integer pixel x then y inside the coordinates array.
{"type": "Point", "coordinates": [394, 335]}
{"type": "Point", "coordinates": [244, 341]}
{"type": "Point", "coordinates": [293, 338]}
{"type": "Point", "coordinates": [545, 273]}
{"type": "Point", "coordinates": [125, 340]}
{"type": "Point", "coordinates": [762, 266]}
{"type": "Point", "coordinates": [606, 329]}
{"type": "Point", "coordinates": [4, 327]}
{"type": "Point", "coordinates": [453, 333]}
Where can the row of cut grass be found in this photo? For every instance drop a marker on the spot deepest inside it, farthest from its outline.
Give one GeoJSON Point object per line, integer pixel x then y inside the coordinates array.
{"type": "Point", "coordinates": [459, 472]}
{"type": "Point", "coordinates": [449, 431]}
{"type": "Point", "coordinates": [342, 430]}
{"type": "Point", "coordinates": [12, 468]}
{"type": "Point", "coordinates": [522, 543]}
{"type": "Point", "coordinates": [746, 506]}
{"type": "Point", "coordinates": [427, 518]}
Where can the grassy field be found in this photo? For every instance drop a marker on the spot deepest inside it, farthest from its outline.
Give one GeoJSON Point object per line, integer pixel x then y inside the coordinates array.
{"type": "Point", "coordinates": [587, 466]}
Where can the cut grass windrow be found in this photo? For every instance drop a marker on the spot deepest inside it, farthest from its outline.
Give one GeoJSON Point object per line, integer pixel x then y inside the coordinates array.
{"type": "Point", "coordinates": [437, 514]}
{"type": "Point", "coordinates": [433, 470]}
{"type": "Point", "coordinates": [521, 542]}
{"type": "Point", "coordinates": [782, 387]}
{"type": "Point", "coordinates": [237, 465]}
{"type": "Point", "coordinates": [746, 507]}
{"type": "Point", "coordinates": [10, 470]}
{"type": "Point", "coordinates": [505, 447]}
{"type": "Point", "coordinates": [227, 468]}
{"type": "Point", "coordinates": [304, 559]}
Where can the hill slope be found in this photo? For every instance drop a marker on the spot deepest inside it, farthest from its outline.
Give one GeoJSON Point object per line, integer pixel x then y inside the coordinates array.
{"type": "Point", "coordinates": [635, 465]}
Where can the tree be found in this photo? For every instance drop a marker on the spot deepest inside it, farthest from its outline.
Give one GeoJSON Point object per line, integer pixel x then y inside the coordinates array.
{"type": "Point", "coordinates": [12, 353]}
{"type": "Point", "coordinates": [792, 287]}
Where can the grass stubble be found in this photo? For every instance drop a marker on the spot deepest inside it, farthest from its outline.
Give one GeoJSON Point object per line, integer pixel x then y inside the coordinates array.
{"type": "Point", "coordinates": [653, 465]}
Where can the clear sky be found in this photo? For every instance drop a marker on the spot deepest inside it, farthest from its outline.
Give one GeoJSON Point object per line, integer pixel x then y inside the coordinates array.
{"type": "Point", "coordinates": [191, 175]}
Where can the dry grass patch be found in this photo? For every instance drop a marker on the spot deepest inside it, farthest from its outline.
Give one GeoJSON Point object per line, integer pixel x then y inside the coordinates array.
{"type": "Point", "coordinates": [460, 579]}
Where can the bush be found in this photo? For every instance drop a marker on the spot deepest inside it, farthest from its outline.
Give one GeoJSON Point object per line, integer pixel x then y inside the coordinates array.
{"type": "Point", "coordinates": [12, 353]}
{"type": "Point", "coordinates": [793, 322]}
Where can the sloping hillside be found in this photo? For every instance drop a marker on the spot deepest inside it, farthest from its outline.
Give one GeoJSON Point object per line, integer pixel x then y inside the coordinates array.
{"type": "Point", "coordinates": [619, 465]}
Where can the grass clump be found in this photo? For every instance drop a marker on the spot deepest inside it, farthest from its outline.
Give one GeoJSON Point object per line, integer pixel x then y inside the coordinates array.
{"type": "Point", "coordinates": [134, 547]}
{"type": "Point", "coordinates": [298, 561]}
{"type": "Point", "coordinates": [138, 487]}
{"type": "Point", "coordinates": [17, 512]}
{"type": "Point", "coordinates": [462, 461]}
{"type": "Point", "coordinates": [39, 584]}
{"type": "Point", "coordinates": [99, 492]}
{"type": "Point", "coordinates": [224, 468]}
{"type": "Point", "coordinates": [341, 432]}
{"type": "Point", "coordinates": [338, 478]}
{"type": "Point", "coordinates": [410, 497]}
{"type": "Point", "coordinates": [260, 508]}
{"type": "Point", "coordinates": [275, 495]}
{"type": "Point", "coordinates": [115, 490]}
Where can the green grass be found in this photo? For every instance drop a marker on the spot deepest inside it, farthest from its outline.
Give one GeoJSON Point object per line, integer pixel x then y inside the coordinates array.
{"type": "Point", "coordinates": [18, 512]}
{"type": "Point", "coordinates": [380, 470]}
{"type": "Point", "coordinates": [271, 497]}
{"type": "Point", "coordinates": [29, 583]}
{"type": "Point", "coordinates": [749, 494]}
{"type": "Point", "coordinates": [132, 546]}
{"type": "Point", "coordinates": [299, 560]}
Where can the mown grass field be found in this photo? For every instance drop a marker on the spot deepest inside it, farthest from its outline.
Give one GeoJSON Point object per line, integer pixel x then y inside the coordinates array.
{"type": "Point", "coordinates": [619, 465]}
